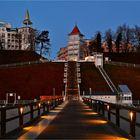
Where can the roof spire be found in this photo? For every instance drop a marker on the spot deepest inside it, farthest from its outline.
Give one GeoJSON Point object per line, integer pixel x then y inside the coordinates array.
{"type": "Point", "coordinates": [27, 20]}
{"type": "Point", "coordinates": [75, 23]}
{"type": "Point", "coordinates": [76, 31]}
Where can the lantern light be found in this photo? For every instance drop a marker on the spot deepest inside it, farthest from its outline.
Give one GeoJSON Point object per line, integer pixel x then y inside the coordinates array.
{"type": "Point", "coordinates": [108, 107]}
{"type": "Point", "coordinates": [21, 110]}
{"type": "Point", "coordinates": [39, 105]}
{"type": "Point", "coordinates": [131, 115]}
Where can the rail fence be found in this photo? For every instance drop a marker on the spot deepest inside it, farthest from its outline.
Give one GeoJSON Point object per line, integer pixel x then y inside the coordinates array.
{"type": "Point", "coordinates": [123, 64]}
{"type": "Point", "coordinates": [19, 64]}
{"type": "Point", "coordinates": [121, 116]}
{"type": "Point", "coordinates": [16, 117]}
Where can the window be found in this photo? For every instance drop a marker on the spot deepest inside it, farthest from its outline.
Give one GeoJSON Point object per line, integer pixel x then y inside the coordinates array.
{"type": "Point", "coordinates": [3, 35]}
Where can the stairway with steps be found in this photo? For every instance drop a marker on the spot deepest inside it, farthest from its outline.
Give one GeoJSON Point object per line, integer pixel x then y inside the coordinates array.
{"type": "Point", "coordinates": [72, 82]}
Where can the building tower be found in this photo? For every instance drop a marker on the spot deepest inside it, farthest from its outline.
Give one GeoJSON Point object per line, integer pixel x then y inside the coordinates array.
{"type": "Point", "coordinates": [27, 33]}
{"type": "Point", "coordinates": [74, 42]}
{"type": "Point", "coordinates": [27, 21]}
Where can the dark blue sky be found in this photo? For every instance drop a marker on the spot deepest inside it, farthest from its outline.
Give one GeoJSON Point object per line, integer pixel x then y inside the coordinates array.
{"type": "Point", "coordinates": [59, 17]}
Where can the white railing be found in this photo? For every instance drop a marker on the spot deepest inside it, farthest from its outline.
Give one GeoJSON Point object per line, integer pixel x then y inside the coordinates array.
{"type": "Point", "coordinates": [108, 80]}
{"type": "Point", "coordinates": [65, 77]}
{"type": "Point", "coordinates": [78, 77]}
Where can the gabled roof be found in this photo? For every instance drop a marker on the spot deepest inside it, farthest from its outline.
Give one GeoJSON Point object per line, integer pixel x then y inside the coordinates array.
{"type": "Point", "coordinates": [124, 88]}
{"type": "Point", "coordinates": [75, 31]}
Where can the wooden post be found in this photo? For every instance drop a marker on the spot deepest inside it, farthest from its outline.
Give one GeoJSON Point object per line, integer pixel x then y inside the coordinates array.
{"type": "Point", "coordinates": [103, 109]}
{"type": "Point", "coordinates": [95, 106]}
{"type": "Point", "coordinates": [132, 123]}
{"type": "Point", "coordinates": [3, 121]}
{"type": "Point", "coordinates": [99, 107]}
{"type": "Point", "coordinates": [117, 116]}
{"type": "Point", "coordinates": [48, 106]}
{"type": "Point", "coordinates": [32, 112]}
{"type": "Point", "coordinates": [44, 108]}
{"type": "Point", "coordinates": [38, 109]}
{"type": "Point", "coordinates": [109, 109]}
{"type": "Point", "coordinates": [20, 111]}
{"type": "Point", "coordinates": [92, 105]}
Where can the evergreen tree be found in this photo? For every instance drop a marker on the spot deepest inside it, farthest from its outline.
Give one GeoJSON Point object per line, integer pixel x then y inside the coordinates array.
{"type": "Point", "coordinates": [43, 40]}
{"type": "Point", "coordinates": [118, 41]}
{"type": "Point", "coordinates": [98, 42]}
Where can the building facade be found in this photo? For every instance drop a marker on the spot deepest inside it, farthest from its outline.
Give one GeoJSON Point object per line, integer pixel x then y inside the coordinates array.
{"type": "Point", "coordinates": [81, 49]}
{"type": "Point", "coordinates": [75, 42]}
{"type": "Point", "coordinates": [17, 38]}
{"type": "Point", "coordinates": [63, 54]}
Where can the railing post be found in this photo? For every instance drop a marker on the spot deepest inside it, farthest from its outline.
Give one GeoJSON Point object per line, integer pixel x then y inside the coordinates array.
{"type": "Point", "coordinates": [103, 111]}
{"type": "Point", "coordinates": [3, 121]}
{"type": "Point", "coordinates": [117, 116]}
{"type": "Point", "coordinates": [39, 105]}
{"type": "Point", "coordinates": [20, 111]}
{"type": "Point", "coordinates": [48, 106]}
{"type": "Point", "coordinates": [92, 104]}
{"type": "Point", "coordinates": [132, 123]}
{"type": "Point", "coordinates": [99, 107]}
{"type": "Point", "coordinates": [109, 109]}
{"type": "Point", "coordinates": [95, 106]}
{"type": "Point", "coordinates": [43, 108]}
{"type": "Point", "coordinates": [31, 112]}
{"type": "Point", "coordinates": [55, 102]}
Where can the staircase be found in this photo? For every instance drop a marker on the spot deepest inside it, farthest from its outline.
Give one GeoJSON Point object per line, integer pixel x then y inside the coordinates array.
{"type": "Point", "coordinates": [108, 80]}
{"type": "Point", "coordinates": [72, 90]}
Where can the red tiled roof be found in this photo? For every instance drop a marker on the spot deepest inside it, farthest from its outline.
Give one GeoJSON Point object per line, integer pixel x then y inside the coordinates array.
{"type": "Point", "coordinates": [75, 31]}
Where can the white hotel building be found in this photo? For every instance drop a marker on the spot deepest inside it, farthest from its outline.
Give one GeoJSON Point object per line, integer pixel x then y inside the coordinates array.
{"type": "Point", "coordinates": [17, 38]}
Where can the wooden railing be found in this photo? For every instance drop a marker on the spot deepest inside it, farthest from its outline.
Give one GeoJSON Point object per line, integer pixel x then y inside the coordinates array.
{"type": "Point", "coordinates": [117, 112]}
{"type": "Point", "coordinates": [20, 113]}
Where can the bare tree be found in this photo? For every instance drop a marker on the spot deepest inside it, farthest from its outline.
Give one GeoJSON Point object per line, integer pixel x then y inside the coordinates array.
{"type": "Point", "coordinates": [118, 42]}
{"type": "Point", "coordinates": [108, 38]}
{"type": "Point", "coordinates": [137, 33]}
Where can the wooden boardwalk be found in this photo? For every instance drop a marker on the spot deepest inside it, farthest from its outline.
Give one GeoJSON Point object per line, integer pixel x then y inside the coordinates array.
{"type": "Point", "coordinates": [77, 121]}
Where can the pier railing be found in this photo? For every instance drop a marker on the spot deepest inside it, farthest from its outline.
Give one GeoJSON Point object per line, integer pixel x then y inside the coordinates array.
{"type": "Point", "coordinates": [16, 117]}
{"type": "Point", "coordinates": [125, 117]}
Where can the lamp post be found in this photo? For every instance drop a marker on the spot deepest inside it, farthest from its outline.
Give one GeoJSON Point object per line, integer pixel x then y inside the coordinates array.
{"type": "Point", "coordinates": [132, 115]}
{"type": "Point", "coordinates": [54, 98]}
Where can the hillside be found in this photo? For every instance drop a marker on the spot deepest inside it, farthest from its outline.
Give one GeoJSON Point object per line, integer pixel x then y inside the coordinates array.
{"type": "Point", "coordinates": [32, 81]}
{"type": "Point", "coordinates": [125, 75]}
{"type": "Point", "coordinates": [91, 78]}
{"type": "Point", "coordinates": [17, 56]}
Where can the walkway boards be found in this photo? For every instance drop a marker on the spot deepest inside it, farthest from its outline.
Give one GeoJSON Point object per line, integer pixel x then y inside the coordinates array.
{"type": "Point", "coordinates": [77, 121]}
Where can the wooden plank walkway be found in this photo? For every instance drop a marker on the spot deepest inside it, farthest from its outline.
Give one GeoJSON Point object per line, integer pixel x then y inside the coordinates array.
{"type": "Point", "coordinates": [77, 121]}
